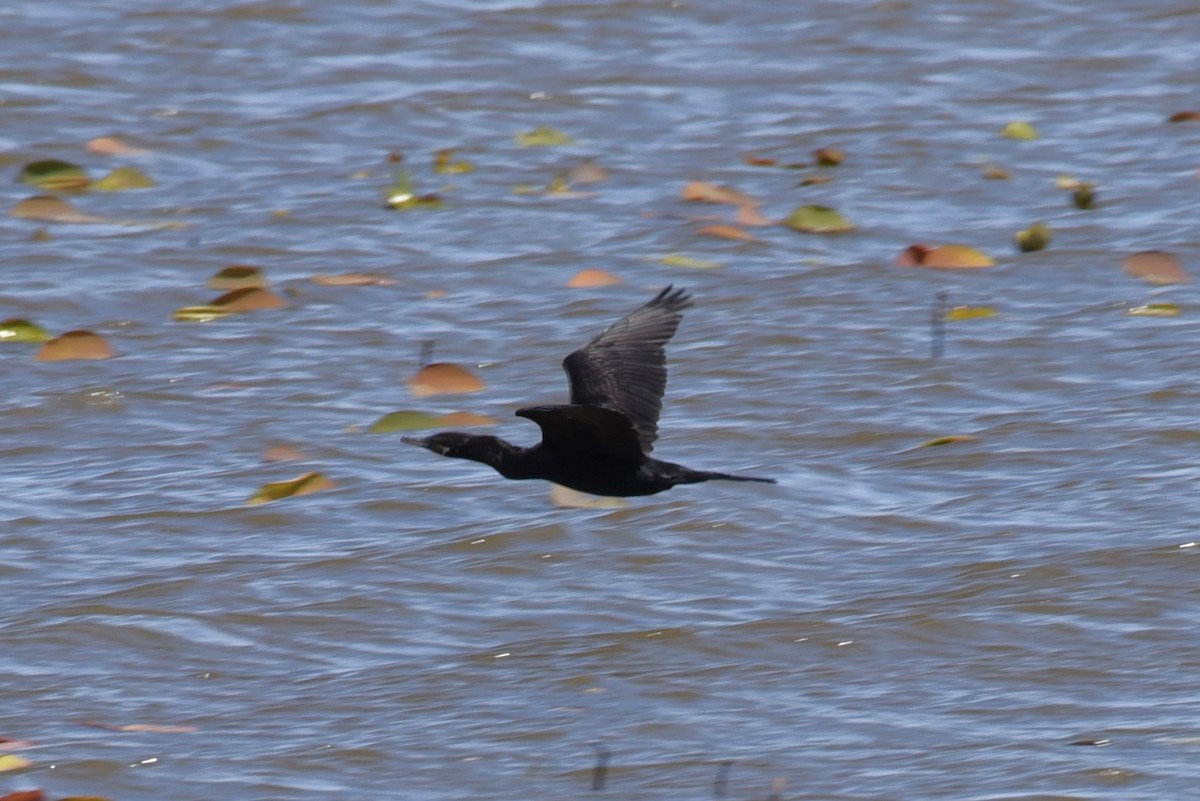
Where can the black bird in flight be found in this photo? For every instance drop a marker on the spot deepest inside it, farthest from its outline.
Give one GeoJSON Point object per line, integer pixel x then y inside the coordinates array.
{"type": "Point", "coordinates": [601, 441]}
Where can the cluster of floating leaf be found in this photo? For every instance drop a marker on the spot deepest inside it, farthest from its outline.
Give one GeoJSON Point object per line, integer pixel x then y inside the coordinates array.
{"type": "Point", "coordinates": [244, 288]}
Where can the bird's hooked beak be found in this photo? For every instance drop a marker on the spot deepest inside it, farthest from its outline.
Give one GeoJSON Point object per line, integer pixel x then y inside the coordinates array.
{"type": "Point", "coordinates": [424, 442]}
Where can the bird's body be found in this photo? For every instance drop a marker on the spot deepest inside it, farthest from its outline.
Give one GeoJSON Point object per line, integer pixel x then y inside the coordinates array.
{"type": "Point", "coordinates": [600, 442]}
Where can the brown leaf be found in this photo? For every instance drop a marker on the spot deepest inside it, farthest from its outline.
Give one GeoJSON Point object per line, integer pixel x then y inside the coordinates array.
{"type": "Point", "coordinates": [704, 192]}
{"type": "Point", "coordinates": [944, 257]}
{"type": "Point", "coordinates": [828, 156]}
{"type": "Point", "coordinates": [24, 795]}
{"type": "Point", "coordinates": [48, 208]}
{"type": "Point", "coordinates": [748, 214]}
{"type": "Point", "coordinates": [725, 231]}
{"type": "Point", "coordinates": [282, 453]}
{"type": "Point", "coordinates": [755, 160]}
{"type": "Point", "coordinates": [1155, 267]}
{"type": "Point", "coordinates": [238, 276]}
{"type": "Point", "coordinates": [466, 419]}
{"type": "Point", "coordinates": [112, 146]}
{"type": "Point", "coordinates": [75, 345]}
{"type": "Point", "coordinates": [593, 278]}
{"type": "Point", "coordinates": [249, 299]}
{"type": "Point", "coordinates": [1184, 116]}
{"type": "Point", "coordinates": [442, 378]}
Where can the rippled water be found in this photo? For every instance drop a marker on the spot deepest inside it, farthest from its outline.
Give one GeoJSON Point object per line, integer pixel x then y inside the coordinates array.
{"type": "Point", "coordinates": [890, 621]}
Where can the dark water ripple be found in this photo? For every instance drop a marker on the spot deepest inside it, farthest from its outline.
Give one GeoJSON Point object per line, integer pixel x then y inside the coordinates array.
{"type": "Point", "coordinates": [889, 621]}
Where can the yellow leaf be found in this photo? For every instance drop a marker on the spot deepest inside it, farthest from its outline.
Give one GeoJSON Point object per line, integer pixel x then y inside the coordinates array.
{"type": "Point", "coordinates": [1155, 310]}
{"type": "Point", "coordinates": [969, 312]}
{"type": "Point", "coordinates": [301, 485]}
{"type": "Point", "coordinates": [13, 762]}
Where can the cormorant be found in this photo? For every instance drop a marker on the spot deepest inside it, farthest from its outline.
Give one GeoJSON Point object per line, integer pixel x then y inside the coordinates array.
{"type": "Point", "coordinates": [599, 443]}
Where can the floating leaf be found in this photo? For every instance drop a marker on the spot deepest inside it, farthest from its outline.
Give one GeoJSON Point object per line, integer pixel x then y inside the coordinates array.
{"type": "Point", "coordinates": [593, 278]}
{"type": "Point", "coordinates": [238, 276]}
{"type": "Point", "coordinates": [1084, 196]}
{"type": "Point", "coordinates": [442, 378]}
{"type": "Point", "coordinates": [51, 209]}
{"type": "Point", "coordinates": [543, 136]}
{"type": "Point", "coordinates": [1155, 267]}
{"type": "Point", "coordinates": [404, 421]}
{"type": "Point", "coordinates": [16, 329]}
{"type": "Point", "coordinates": [124, 178]}
{"type": "Point", "coordinates": [567, 498]}
{"type": "Point", "coordinates": [443, 164]}
{"type": "Point", "coordinates": [75, 345]}
{"type": "Point", "coordinates": [1033, 238]}
{"type": "Point", "coordinates": [1184, 116]}
{"type": "Point", "coordinates": [1155, 310]}
{"type": "Point", "coordinates": [947, 440]}
{"type": "Point", "coordinates": [813, 180]}
{"type": "Point", "coordinates": [13, 762]}
{"type": "Point", "coordinates": [139, 727]}
{"type": "Point", "coordinates": [283, 453]}
{"type": "Point", "coordinates": [27, 795]}
{"type": "Point", "coordinates": [353, 279]}
{"type": "Point", "coordinates": [704, 192]}
{"type": "Point", "coordinates": [944, 257]}
{"type": "Point", "coordinates": [467, 419]}
{"type": "Point", "coordinates": [828, 156]}
{"type": "Point", "coordinates": [249, 299]}
{"type": "Point", "coordinates": [748, 214]}
{"type": "Point", "coordinates": [200, 314]}
{"type": "Point", "coordinates": [818, 220]}
{"type": "Point", "coordinates": [969, 313]}
{"type": "Point", "coordinates": [112, 146]}
{"type": "Point", "coordinates": [1019, 129]}
{"type": "Point", "coordinates": [754, 160]}
{"type": "Point", "coordinates": [301, 485]}
{"type": "Point", "coordinates": [54, 175]}
{"type": "Point", "coordinates": [994, 172]}
{"type": "Point", "coordinates": [690, 262]}
{"type": "Point", "coordinates": [588, 172]}
{"type": "Point", "coordinates": [725, 231]}
{"type": "Point", "coordinates": [403, 195]}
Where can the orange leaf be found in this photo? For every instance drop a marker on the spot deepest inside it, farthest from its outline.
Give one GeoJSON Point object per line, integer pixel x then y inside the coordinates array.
{"type": "Point", "coordinates": [250, 299]}
{"type": "Point", "coordinates": [1156, 267]}
{"type": "Point", "coordinates": [282, 453]}
{"type": "Point", "coordinates": [466, 419]}
{"type": "Point", "coordinates": [758, 161]}
{"type": "Point", "coordinates": [725, 231]}
{"type": "Point", "coordinates": [944, 257]}
{"type": "Point", "coordinates": [1184, 116]}
{"type": "Point", "coordinates": [592, 278]}
{"type": "Point", "coordinates": [75, 345]}
{"type": "Point", "coordinates": [24, 795]}
{"type": "Point", "coordinates": [442, 378]}
{"type": "Point", "coordinates": [353, 279]}
{"type": "Point", "coordinates": [704, 192]}
{"type": "Point", "coordinates": [748, 214]}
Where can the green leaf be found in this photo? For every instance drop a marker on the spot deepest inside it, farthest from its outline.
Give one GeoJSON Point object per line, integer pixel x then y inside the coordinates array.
{"type": "Point", "coordinates": [1033, 238]}
{"type": "Point", "coordinates": [1155, 310]}
{"type": "Point", "coordinates": [818, 220]}
{"type": "Point", "coordinates": [200, 314]}
{"type": "Point", "coordinates": [690, 262]}
{"type": "Point", "coordinates": [54, 175]}
{"type": "Point", "coordinates": [543, 136]}
{"type": "Point", "coordinates": [301, 485]}
{"type": "Point", "coordinates": [123, 178]}
{"type": "Point", "coordinates": [969, 313]}
{"type": "Point", "coordinates": [16, 329]}
{"type": "Point", "coordinates": [1018, 129]}
{"type": "Point", "coordinates": [404, 421]}
{"type": "Point", "coordinates": [238, 276]}
{"type": "Point", "coordinates": [937, 442]}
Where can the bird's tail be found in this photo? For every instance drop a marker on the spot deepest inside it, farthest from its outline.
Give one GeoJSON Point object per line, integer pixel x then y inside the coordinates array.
{"type": "Point", "coordinates": [708, 475]}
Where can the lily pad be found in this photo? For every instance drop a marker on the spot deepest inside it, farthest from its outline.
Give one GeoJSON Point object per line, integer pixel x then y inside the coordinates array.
{"type": "Point", "coordinates": [54, 175]}
{"type": "Point", "coordinates": [705, 192]}
{"type": "Point", "coordinates": [951, 439]}
{"type": "Point", "coordinates": [16, 329]}
{"type": "Point", "coordinates": [301, 485]}
{"type": "Point", "coordinates": [238, 276]}
{"type": "Point", "coordinates": [814, 219]}
{"type": "Point", "coordinates": [404, 421]}
{"type": "Point", "coordinates": [10, 762]}
{"type": "Point", "coordinates": [123, 178]}
{"type": "Point", "coordinates": [112, 146]}
{"type": "Point", "coordinates": [543, 136]}
{"type": "Point", "coordinates": [75, 345]}
{"type": "Point", "coordinates": [828, 156]}
{"type": "Point", "coordinates": [443, 378]}
{"type": "Point", "coordinates": [726, 231]}
{"type": "Point", "coordinates": [1084, 196]}
{"type": "Point", "coordinates": [467, 419]}
{"type": "Point", "coordinates": [442, 163]}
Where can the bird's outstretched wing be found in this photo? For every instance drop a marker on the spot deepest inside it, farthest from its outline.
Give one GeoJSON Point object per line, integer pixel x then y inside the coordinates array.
{"type": "Point", "coordinates": [625, 368]}
{"type": "Point", "coordinates": [585, 430]}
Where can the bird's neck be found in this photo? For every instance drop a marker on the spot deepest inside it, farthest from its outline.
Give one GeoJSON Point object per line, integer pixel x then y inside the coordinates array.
{"type": "Point", "coordinates": [510, 461]}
